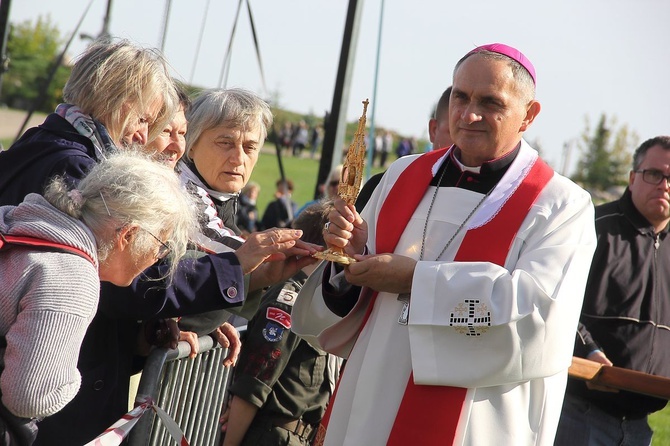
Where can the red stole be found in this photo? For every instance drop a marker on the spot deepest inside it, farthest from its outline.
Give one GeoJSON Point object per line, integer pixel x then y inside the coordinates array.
{"type": "Point", "coordinates": [429, 415]}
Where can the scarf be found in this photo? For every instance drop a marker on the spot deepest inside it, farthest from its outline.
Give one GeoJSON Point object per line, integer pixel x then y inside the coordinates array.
{"type": "Point", "coordinates": [88, 127]}
{"type": "Point", "coordinates": [212, 227]}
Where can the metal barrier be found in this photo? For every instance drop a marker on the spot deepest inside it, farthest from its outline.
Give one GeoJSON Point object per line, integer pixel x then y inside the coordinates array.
{"type": "Point", "coordinates": [191, 391]}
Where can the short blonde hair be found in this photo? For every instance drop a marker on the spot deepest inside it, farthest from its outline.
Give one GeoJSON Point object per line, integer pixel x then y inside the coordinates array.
{"type": "Point", "coordinates": [111, 74]}
{"type": "Point", "coordinates": [129, 188]}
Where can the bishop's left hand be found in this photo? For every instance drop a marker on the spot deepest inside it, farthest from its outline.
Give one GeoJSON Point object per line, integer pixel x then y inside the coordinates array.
{"type": "Point", "coordinates": [390, 273]}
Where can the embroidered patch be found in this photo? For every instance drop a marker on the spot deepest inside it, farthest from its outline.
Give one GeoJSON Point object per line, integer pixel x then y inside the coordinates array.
{"type": "Point", "coordinates": [470, 318]}
{"type": "Point", "coordinates": [273, 332]}
{"type": "Point", "coordinates": [279, 316]}
{"type": "Point", "coordinates": [287, 297]}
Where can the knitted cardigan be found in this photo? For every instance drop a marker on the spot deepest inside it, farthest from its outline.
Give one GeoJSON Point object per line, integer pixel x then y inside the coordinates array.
{"type": "Point", "coordinates": [47, 299]}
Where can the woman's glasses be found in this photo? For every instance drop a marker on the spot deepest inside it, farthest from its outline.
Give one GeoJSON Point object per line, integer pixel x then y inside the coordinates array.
{"type": "Point", "coordinates": [163, 249]}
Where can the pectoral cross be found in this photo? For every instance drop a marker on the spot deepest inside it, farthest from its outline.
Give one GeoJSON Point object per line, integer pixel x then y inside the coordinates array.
{"type": "Point", "coordinates": [404, 312]}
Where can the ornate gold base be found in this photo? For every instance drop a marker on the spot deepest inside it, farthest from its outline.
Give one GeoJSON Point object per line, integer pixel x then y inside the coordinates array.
{"type": "Point", "coordinates": [334, 256]}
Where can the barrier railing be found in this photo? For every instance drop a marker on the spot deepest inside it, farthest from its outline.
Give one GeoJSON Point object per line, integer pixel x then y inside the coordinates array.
{"type": "Point", "coordinates": [191, 391]}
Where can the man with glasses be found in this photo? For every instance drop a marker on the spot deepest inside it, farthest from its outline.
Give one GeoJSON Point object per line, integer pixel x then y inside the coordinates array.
{"type": "Point", "coordinates": [625, 319]}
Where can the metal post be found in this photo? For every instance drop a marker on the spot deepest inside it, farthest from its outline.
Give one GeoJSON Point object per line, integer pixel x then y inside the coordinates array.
{"type": "Point", "coordinates": [166, 19]}
{"type": "Point", "coordinates": [36, 104]}
{"type": "Point", "coordinates": [105, 22]}
{"type": "Point", "coordinates": [333, 138]}
{"type": "Point", "coordinates": [371, 139]}
{"type": "Point", "coordinates": [4, 34]}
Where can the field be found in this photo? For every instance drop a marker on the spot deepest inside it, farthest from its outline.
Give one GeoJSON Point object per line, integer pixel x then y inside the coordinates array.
{"type": "Point", "coordinates": [302, 171]}
{"type": "Point", "coordinates": [660, 423]}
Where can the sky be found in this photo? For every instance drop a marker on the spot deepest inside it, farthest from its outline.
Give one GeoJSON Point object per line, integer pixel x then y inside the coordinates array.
{"type": "Point", "coordinates": [591, 56]}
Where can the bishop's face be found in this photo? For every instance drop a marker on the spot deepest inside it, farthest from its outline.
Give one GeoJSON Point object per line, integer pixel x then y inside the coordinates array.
{"type": "Point", "coordinates": [488, 111]}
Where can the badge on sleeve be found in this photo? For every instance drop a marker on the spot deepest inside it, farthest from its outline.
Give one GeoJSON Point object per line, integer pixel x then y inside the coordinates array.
{"type": "Point", "coordinates": [279, 316]}
{"type": "Point", "coordinates": [287, 297]}
{"type": "Point", "coordinates": [272, 332]}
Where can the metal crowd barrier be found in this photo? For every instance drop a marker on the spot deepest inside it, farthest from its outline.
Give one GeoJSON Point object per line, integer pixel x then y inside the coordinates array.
{"type": "Point", "coordinates": [191, 391]}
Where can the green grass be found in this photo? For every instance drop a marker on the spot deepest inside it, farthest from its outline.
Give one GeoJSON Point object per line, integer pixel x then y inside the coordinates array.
{"type": "Point", "coordinates": [660, 423]}
{"type": "Point", "coordinates": [302, 171]}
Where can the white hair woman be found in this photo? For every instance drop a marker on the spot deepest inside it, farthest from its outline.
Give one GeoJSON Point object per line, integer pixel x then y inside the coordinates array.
{"type": "Point", "coordinates": [125, 214]}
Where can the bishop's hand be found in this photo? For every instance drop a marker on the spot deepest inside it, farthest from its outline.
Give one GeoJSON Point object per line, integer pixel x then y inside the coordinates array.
{"type": "Point", "coordinates": [346, 229]}
{"type": "Point", "coordinates": [391, 273]}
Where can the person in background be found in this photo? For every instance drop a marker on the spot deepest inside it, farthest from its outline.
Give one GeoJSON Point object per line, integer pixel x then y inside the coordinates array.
{"type": "Point", "coordinates": [438, 125]}
{"type": "Point", "coordinates": [281, 384]}
{"type": "Point", "coordinates": [329, 190]}
{"type": "Point", "coordinates": [625, 316]}
{"type": "Point", "coordinates": [285, 135]}
{"type": "Point", "coordinates": [387, 143]}
{"type": "Point", "coordinates": [299, 138]}
{"type": "Point", "coordinates": [404, 148]}
{"type": "Point", "coordinates": [471, 264]}
{"type": "Point", "coordinates": [247, 212]}
{"type": "Point", "coordinates": [315, 140]}
{"type": "Point", "coordinates": [124, 215]}
{"type": "Point", "coordinates": [280, 212]}
{"type": "Point", "coordinates": [378, 144]}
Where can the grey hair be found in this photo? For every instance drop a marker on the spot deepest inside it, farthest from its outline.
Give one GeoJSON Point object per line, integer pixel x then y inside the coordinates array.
{"type": "Point", "coordinates": [522, 77]}
{"type": "Point", "coordinates": [234, 106]}
{"type": "Point", "coordinates": [112, 74]}
{"type": "Point", "coordinates": [129, 188]}
{"type": "Point", "coordinates": [640, 152]}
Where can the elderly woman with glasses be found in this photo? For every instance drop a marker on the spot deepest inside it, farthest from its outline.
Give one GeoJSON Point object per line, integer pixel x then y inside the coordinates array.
{"type": "Point", "coordinates": [126, 213]}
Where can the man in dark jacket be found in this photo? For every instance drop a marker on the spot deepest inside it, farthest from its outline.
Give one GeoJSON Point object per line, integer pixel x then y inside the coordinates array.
{"type": "Point", "coordinates": [626, 312]}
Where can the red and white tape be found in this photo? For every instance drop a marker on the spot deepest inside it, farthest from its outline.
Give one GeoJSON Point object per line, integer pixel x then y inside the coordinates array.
{"type": "Point", "coordinates": [115, 434]}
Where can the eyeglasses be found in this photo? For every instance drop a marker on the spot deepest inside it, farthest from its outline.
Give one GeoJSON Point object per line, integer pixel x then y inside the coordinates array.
{"type": "Point", "coordinates": [163, 250]}
{"type": "Point", "coordinates": [653, 176]}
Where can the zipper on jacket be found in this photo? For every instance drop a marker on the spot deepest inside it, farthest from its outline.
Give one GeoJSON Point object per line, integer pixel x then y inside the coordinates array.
{"type": "Point", "coordinates": [657, 244]}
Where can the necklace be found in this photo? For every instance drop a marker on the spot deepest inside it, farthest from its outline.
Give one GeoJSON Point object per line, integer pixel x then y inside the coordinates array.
{"type": "Point", "coordinates": [430, 208]}
{"type": "Point", "coordinates": [405, 297]}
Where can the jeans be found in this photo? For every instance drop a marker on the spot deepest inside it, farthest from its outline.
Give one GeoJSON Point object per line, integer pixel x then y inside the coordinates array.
{"type": "Point", "coordinates": [583, 424]}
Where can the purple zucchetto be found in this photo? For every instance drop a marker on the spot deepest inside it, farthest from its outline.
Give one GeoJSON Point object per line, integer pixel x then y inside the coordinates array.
{"type": "Point", "coordinates": [510, 52]}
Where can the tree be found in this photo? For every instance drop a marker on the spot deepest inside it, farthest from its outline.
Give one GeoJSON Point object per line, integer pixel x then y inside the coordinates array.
{"type": "Point", "coordinates": [606, 154]}
{"type": "Point", "coordinates": [32, 48]}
